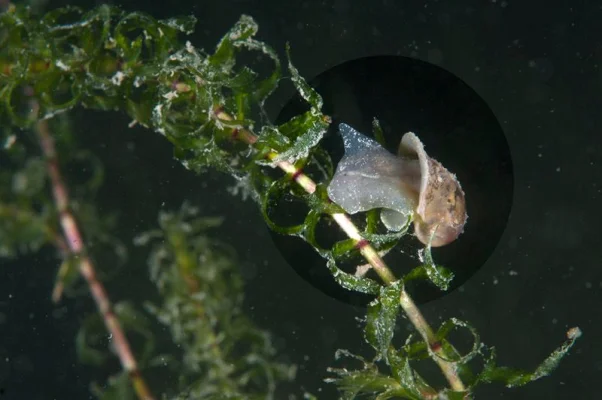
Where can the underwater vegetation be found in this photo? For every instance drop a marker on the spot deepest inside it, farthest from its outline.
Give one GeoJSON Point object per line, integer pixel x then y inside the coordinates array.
{"type": "Point", "coordinates": [209, 106]}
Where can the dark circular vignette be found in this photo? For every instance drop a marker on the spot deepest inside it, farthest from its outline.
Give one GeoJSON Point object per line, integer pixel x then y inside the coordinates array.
{"type": "Point", "coordinates": [457, 128]}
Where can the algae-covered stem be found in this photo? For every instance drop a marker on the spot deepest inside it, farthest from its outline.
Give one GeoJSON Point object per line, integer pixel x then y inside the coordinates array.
{"type": "Point", "coordinates": [75, 243]}
{"type": "Point", "coordinates": [369, 253]}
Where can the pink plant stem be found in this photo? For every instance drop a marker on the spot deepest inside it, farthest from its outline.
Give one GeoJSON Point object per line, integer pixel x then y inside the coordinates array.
{"type": "Point", "coordinates": [74, 241]}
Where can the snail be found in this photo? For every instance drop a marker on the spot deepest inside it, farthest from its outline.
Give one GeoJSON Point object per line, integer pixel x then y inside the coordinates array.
{"type": "Point", "coordinates": [408, 184]}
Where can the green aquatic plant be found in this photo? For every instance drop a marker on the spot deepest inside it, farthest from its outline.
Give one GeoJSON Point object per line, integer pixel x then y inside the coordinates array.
{"type": "Point", "coordinates": [210, 108]}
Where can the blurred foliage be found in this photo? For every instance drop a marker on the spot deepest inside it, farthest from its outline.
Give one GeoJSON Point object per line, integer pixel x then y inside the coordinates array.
{"type": "Point", "coordinates": [28, 215]}
{"type": "Point", "coordinates": [222, 354]}
{"type": "Point", "coordinates": [109, 59]}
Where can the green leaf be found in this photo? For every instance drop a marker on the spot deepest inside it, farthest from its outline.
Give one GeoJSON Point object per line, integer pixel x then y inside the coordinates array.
{"type": "Point", "coordinates": [265, 87]}
{"type": "Point", "coordinates": [445, 330]}
{"type": "Point", "coordinates": [271, 138]}
{"type": "Point", "coordinates": [87, 341]}
{"type": "Point", "coordinates": [184, 24]}
{"type": "Point", "coordinates": [223, 58]}
{"type": "Point", "coordinates": [437, 274]}
{"type": "Point", "coordinates": [412, 383]}
{"type": "Point", "coordinates": [306, 91]}
{"type": "Point", "coordinates": [352, 282]}
{"type": "Point", "coordinates": [307, 129]}
{"type": "Point", "coordinates": [343, 247]}
{"type": "Point", "coordinates": [274, 194]}
{"type": "Point", "coordinates": [356, 384]}
{"type": "Point", "coordinates": [377, 130]}
{"type": "Point", "coordinates": [514, 377]}
{"type": "Point", "coordinates": [381, 318]}
{"type": "Point", "coordinates": [67, 273]}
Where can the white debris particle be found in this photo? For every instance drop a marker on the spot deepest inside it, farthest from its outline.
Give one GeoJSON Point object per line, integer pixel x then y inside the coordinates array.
{"type": "Point", "coordinates": [558, 169]}
{"type": "Point", "coordinates": [157, 111]}
{"type": "Point", "coordinates": [189, 47]}
{"type": "Point", "coordinates": [495, 280]}
{"type": "Point", "coordinates": [138, 81]}
{"type": "Point", "coordinates": [588, 285]}
{"type": "Point", "coordinates": [171, 95]}
{"type": "Point", "coordinates": [243, 188]}
{"type": "Point", "coordinates": [512, 273]}
{"type": "Point", "coordinates": [118, 78]}
{"type": "Point", "coordinates": [61, 65]}
{"type": "Point", "coordinates": [362, 270]}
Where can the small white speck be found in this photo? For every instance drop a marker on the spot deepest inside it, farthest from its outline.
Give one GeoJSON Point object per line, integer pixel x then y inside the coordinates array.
{"type": "Point", "coordinates": [61, 65]}
{"type": "Point", "coordinates": [10, 141]}
{"type": "Point", "coordinates": [171, 95]}
{"type": "Point", "coordinates": [118, 78]}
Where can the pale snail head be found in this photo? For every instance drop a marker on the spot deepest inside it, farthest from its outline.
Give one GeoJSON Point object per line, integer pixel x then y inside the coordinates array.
{"type": "Point", "coordinates": [411, 183]}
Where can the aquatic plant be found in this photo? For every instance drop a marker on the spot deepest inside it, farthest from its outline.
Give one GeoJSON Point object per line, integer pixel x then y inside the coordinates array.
{"type": "Point", "coordinates": [210, 107]}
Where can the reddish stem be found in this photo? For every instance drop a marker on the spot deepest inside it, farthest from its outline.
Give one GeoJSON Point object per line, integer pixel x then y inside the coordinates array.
{"type": "Point", "coordinates": [75, 244]}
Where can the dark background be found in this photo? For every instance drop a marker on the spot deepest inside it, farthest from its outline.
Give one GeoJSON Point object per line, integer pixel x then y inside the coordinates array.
{"type": "Point", "coordinates": [537, 65]}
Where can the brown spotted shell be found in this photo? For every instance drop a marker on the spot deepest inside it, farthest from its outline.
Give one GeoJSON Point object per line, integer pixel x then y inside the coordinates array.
{"type": "Point", "coordinates": [441, 211]}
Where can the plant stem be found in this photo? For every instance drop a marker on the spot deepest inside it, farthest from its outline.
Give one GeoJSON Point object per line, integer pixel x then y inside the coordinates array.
{"type": "Point", "coordinates": [370, 254]}
{"type": "Point", "coordinates": [417, 319]}
{"type": "Point", "coordinates": [75, 243]}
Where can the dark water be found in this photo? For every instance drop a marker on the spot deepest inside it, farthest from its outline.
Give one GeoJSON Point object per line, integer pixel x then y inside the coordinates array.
{"type": "Point", "coordinates": [537, 65]}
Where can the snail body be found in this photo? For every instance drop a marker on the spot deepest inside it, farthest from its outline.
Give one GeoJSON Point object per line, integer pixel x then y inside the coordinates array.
{"type": "Point", "coordinates": [403, 185]}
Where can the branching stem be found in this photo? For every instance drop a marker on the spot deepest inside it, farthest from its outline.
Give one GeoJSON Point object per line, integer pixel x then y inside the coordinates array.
{"type": "Point", "coordinates": [371, 255]}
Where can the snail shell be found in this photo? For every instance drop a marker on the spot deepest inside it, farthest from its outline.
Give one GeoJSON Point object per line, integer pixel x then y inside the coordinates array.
{"type": "Point", "coordinates": [411, 183]}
